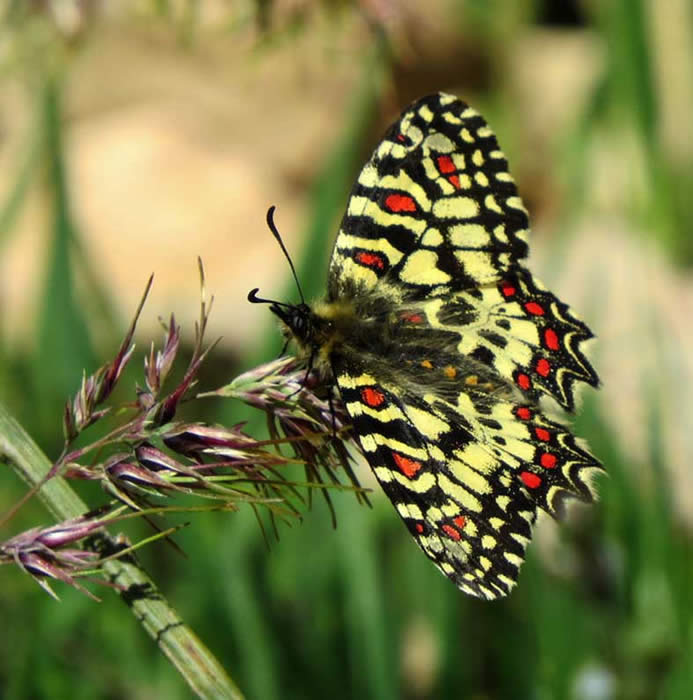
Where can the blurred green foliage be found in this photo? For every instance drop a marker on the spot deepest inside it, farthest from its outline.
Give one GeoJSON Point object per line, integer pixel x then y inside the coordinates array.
{"type": "Point", "coordinates": [358, 611]}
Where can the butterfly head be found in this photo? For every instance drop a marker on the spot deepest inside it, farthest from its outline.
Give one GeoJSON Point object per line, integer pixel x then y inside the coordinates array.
{"type": "Point", "coordinates": [299, 320]}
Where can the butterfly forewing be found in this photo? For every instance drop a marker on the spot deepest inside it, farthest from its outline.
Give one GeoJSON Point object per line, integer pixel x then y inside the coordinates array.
{"type": "Point", "coordinates": [435, 205]}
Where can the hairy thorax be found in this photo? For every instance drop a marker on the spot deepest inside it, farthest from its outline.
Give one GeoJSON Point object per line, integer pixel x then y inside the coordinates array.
{"type": "Point", "coordinates": [396, 339]}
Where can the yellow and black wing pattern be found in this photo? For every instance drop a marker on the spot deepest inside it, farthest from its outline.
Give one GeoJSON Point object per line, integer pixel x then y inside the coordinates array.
{"type": "Point", "coordinates": [443, 343]}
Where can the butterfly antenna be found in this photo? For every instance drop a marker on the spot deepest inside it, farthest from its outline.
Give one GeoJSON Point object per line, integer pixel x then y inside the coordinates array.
{"type": "Point", "coordinates": [253, 298]}
{"type": "Point", "coordinates": [275, 233]}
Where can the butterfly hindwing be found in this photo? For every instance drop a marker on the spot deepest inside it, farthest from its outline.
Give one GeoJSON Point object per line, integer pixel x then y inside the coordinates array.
{"type": "Point", "coordinates": [466, 470]}
{"type": "Point", "coordinates": [520, 330]}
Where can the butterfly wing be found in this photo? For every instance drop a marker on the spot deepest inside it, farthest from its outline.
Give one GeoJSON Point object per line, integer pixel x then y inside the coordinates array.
{"type": "Point", "coordinates": [435, 205]}
{"type": "Point", "coordinates": [466, 464]}
{"type": "Point", "coordinates": [434, 223]}
{"type": "Point", "coordinates": [518, 329]}
{"type": "Point", "coordinates": [450, 345]}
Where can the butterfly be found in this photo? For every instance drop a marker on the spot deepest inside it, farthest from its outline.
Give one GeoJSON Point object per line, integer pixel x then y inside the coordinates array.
{"type": "Point", "coordinates": [442, 343]}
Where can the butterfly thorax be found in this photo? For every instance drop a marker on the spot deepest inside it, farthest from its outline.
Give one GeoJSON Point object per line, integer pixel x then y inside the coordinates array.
{"type": "Point", "coordinates": [316, 330]}
{"type": "Point", "coordinates": [371, 330]}
{"type": "Point", "coordinates": [326, 330]}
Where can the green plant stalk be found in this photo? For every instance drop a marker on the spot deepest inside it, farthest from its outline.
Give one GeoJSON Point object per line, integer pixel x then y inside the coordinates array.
{"type": "Point", "coordinates": [12, 205]}
{"type": "Point", "coordinates": [176, 640]}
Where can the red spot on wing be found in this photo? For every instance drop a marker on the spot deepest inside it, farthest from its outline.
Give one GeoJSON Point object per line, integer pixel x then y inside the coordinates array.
{"type": "Point", "coordinates": [460, 521]}
{"type": "Point", "coordinates": [411, 317]}
{"type": "Point", "coordinates": [419, 528]}
{"type": "Point", "coordinates": [401, 137]}
{"type": "Point", "coordinates": [400, 202]}
{"type": "Point", "coordinates": [523, 413]}
{"type": "Point", "coordinates": [548, 461]}
{"type": "Point", "coordinates": [445, 165]}
{"type": "Point", "coordinates": [523, 381]}
{"type": "Point", "coordinates": [408, 467]}
{"type": "Point", "coordinates": [542, 434]}
{"type": "Point", "coordinates": [455, 180]}
{"type": "Point", "coordinates": [507, 290]}
{"type": "Point", "coordinates": [543, 367]}
{"type": "Point", "coordinates": [450, 530]}
{"type": "Point", "coordinates": [372, 397]}
{"type": "Point", "coordinates": [530, 480]}
{"type": "Point", "coordinates": [551, 339]}
{"type": "Point", "coordinates": [372, 260]}
{"type": "Point", "coordinates": [533, 308]}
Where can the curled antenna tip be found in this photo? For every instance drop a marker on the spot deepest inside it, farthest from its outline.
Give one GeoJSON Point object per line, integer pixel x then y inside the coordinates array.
{"type": "Point", "coordinates": [270, 216]}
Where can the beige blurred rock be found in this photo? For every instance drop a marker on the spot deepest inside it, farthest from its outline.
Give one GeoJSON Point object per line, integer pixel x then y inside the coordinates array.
{"type": "Point", "coordinates": [173, 154]}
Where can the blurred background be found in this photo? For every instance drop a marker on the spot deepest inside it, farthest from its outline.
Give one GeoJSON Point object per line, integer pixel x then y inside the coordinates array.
{"type": "Point", "coordinates": [136, 135]}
